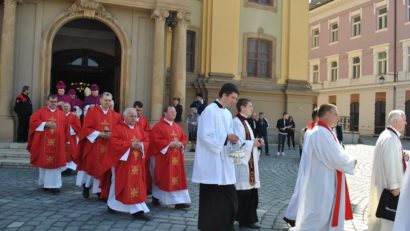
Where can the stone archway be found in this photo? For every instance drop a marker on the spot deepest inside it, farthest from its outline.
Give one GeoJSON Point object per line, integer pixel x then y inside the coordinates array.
{"type": "Point", "coordinates": [85, 9]}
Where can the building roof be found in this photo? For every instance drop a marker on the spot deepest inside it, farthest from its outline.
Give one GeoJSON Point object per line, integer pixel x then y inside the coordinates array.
{"type": "Point", "coordinates": [318, 3]}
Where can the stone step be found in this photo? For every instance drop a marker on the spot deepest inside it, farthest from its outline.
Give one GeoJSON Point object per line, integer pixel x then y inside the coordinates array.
{"type": "Point", "coordinates": [15, 163]}
{"type": "Point", "coordinates": [13, 146]}
{"type": "Point", "coordinates": [16, 155]}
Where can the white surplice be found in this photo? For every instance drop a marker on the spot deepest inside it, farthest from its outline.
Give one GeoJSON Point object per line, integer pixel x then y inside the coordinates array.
{"type": "Point", "coordinates": [402, 221]}
{"type": "Point", "coordinates": [212, 164]}
{"type": "Point", "coordinates": [324, 155]}
{"type": "Point", "coordinates": [387, 173]}
{"type": "Point", "coordinates": [242, 169]}
{"type": "Point", "coordinates": [292, 210]}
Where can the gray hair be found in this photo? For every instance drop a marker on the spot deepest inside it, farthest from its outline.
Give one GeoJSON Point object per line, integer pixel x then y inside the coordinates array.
{"type": "Point", "coordinates": [194, 110]}
{"type": "Point", "coordinates": [394, 115]}
{"type": "Point", "coordinates": [128, 110]}
{"type": "Point", "coordinates": [106, 94]}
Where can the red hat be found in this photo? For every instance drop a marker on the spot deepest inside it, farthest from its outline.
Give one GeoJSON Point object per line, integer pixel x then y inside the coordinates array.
{"type": "Point", "coordinates": [71, 92]}
{"type": "Point", "coordinates": [94, 87]}
{"type": "Point", "coordinates": [60, 85]}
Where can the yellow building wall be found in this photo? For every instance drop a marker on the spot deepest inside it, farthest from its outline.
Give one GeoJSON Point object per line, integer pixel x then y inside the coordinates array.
{"type": "Point", "coordinates": [251, 20]}
{"type": "Point", "coordinates": [224, 37]}
{"type": "Point", "coordinates": [295, 40]}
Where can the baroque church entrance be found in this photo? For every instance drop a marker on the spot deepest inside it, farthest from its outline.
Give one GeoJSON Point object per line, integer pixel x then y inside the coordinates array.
{"type": "Point", "coordinates": [86, 51]}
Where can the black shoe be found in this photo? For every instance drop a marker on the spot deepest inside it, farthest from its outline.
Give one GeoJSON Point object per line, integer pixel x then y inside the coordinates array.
{"type": "Point", "coordinates": [289, 221]}
{"type": "Point", "coordinates": [250, 226]}
{"type": "Point", "coordinates": [53, 190]}
{"type": "Point", "coordinates": [141, 216]}
{"type": "Point", "coordinates": [182, 206]}
{"type": "Point", "coordinates": [192, 150]}
{"type": "Point", "coordinates": [86, 192]}
{"type": "Point", "coordinates": [110, 210]}
{"type": "Point", "coordinates": [155, 201]}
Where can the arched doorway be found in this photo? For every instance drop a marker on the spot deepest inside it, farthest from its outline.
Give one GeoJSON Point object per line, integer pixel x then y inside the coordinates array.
{"type": "Point", "coordinates": [84, 52]}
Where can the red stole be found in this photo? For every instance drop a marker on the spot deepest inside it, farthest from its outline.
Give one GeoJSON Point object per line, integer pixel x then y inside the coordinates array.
{"type": "Point", "coordinates": [47, 148]}
{"type": "Point", "coordinates": [169, 170]}
{"type": "Point", "coordinates": [72, 149]}
{"type": "Point", "coordinates": [93, 153]}
{"type": "Point", "coordinates": [146, 127]}
{"type": "Point", "coordinates": [403, 160]}
{"type": "Point", "coordinates": [348, 206]}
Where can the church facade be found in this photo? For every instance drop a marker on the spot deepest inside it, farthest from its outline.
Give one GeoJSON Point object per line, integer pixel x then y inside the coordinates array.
{"type": "Point", "coordinates": [155, 50]}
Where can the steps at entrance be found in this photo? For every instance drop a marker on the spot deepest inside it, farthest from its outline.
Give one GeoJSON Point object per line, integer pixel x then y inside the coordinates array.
{"type": "Point", "coordinates": [14, 155]}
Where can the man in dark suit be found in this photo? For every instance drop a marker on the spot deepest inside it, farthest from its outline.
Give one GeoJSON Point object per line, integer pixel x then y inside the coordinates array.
{"type": "Point", "coordinates": [262, 130]}
{"type": "Point", "coordinates": [24, 109]}
{"type": "Point", "coordinates": [339, 133]}
{"type": "Point", "coordinates": [282, 125]}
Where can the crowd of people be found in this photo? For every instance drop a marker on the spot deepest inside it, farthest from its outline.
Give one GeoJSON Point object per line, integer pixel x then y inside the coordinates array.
{"type": "Point", "coordinates": [121, 159]}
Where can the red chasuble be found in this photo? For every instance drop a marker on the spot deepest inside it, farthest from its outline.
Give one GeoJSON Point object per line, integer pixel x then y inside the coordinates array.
{"type": "Point", "coordinates": [93, 153]}
{"type": "Point", "coordinates": [72, 149]}
{"type": "Point", "coordinates": [169, 170]}
{"type": "Point", "coordinates": [146, 127]}
{"type": "Point", "coordinates": [129, 175]}
{"type": "Point", "coordinates": [47, 148]}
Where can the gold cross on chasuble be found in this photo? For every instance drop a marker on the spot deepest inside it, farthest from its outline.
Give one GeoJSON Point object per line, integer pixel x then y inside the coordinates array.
{"type": "Point", "coordinates": [51, 142]}
{"type": "Point", "coordinates": [134, 192]}
{"type": "Point", "coordinates": [50, 159]}
{"type": "Point", "coordinates": [135, 153]}
{"type": "Point", "coordinates": [174, 180]}
{"type": "Point", "coordinates": [135, 170]}
{"type": "Point", "coordinates": [175, 161]}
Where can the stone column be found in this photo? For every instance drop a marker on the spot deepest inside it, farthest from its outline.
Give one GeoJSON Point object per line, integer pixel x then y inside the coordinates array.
{"type": "Point", "coordinates": [158, 66]}
{"type": "Point", "coordinates": [7, 70]}
{"type": "Point", "coordinates": [178, 62]}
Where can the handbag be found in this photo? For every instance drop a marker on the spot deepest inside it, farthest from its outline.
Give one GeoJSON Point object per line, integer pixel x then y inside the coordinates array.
{"type": "Point", "coordinates": [387, 205]}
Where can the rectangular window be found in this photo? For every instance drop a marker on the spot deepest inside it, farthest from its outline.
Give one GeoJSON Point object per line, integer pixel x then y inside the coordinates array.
{"type": "Point", "coordinates": [334, 32]}
{"type": "Point", "coordinates": [315, 73]}
{"type": "Point", "coordinates": [315, 38]}
{"type": "Point", "coordinates": [190, 51]}
{"type": "Point", "coordinates": [408, 10]}
{"type": "Point", "coordinates": [333, 71]}
{"type": "Point", "coordinates": [263, 2]}
{"type": "Point", "coordinates": [408, 58]}
{"type": "Point", "coordinates": [382, 63]}
{"type": "Point", "coordinates": [259, 59]}
{"type": "Point", "coordinates": [356, 67]}
{"type": "Point", "coordinates": [382, 18]}
{"type": "Point", "coordinates": [356, 21]}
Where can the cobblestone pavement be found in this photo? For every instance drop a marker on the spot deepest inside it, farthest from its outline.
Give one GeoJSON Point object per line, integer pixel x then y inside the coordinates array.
{"type": "Point", "coordinates": [24, 206]}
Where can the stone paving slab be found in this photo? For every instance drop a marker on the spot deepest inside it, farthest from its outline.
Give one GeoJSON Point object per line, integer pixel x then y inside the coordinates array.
{"type": "Point", "coordinates": [25, 206]}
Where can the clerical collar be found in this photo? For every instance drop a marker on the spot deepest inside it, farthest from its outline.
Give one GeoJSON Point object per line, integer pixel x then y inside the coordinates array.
{"type": "Point", "coordinates": [131, 126]}
{"type": "Point", "coordinates": [105, 111]}
{"type": "Point", "coordinates": [169, 122]}
{"type": "Point", "coordinates": [219, 104]}
{"type": "Point", "coordinates": [52, 109]}
{"type": "Point", "coordinates": [391, 128]}
{"type": "Point", "coordinates": [66, 114]}
{"type": "Point", "coordinates": [138, 118]}
{"type": "Point", "coordinates": [241, 116]}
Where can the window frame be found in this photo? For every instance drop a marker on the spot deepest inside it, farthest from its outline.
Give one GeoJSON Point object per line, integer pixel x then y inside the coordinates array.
{"type": "Point", "coordinates": [356, 26]}
{"type": "Point", "coordinates": [334, 32]}
{"type": "Point", "coordinates": [382, 64]}
{"type": "Point", "coordinates": [356, 68]}
{"type": "Point", "coordinates": [334, 71]}
{"type": "Point", "coordinates": [315, 37]}
{"type": "Point", "coordinates": [258, 5]}
{"type": "Point", "coordinates": [376, 50]}
{"type": "Point", "coordinates": [193, 53]}
{"type": "Point", "coordinates": [382, 18]}
{"type": "Point", "coordinates": [258, 58]}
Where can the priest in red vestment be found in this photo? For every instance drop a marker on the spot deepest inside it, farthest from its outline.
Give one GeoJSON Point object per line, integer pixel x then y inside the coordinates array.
{"type": "Point", "coordinates": [144, 124]}
{"type": "Point", "coordinates": [126, 161]}
{"type": "Point", "coordinates": [96, 136]}
{"type": "Point", "coordinates": [46, 144]}
{"type": "Point", "coordinates": [74, 127]}
{"type": "Point", "coordinates": [166, 148]}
